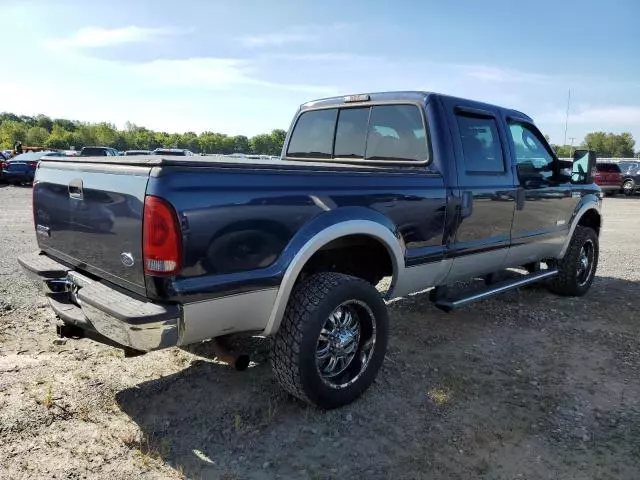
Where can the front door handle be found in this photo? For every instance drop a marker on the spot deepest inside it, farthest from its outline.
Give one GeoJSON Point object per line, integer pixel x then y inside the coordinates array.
{"type": "Point", "coordinates": [75, 188]}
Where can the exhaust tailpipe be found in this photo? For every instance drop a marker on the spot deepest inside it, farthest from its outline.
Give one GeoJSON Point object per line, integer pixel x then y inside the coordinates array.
{"type": "Point", "coordinates": [240, 361]}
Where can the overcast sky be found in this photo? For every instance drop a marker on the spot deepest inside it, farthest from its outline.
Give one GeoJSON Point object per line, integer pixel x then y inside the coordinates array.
{"type": "Point", "coordinates": [242, 67]}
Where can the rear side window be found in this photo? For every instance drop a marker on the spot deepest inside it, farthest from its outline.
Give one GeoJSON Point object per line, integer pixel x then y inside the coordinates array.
{"type": "Point", "coordinates": [376, 133]}
{"type": "Point", "coordinates": [608, 167]}
{"type": "Point", "coordinates": [313, 134]}
{"type": "Point", "coordinates": [481, 146]}
{"type": "Point", "coordinates": [396, 132]}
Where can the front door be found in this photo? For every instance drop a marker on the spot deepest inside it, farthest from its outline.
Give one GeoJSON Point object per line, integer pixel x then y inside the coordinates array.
{"type": "Point", "coordinates": [545, 201]}
{"type": "Point", "coordinates": [485, 187]}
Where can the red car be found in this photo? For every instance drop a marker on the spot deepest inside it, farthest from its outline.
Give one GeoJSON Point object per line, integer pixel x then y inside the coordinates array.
{"type": "Point", "coordinates": [609, 177]}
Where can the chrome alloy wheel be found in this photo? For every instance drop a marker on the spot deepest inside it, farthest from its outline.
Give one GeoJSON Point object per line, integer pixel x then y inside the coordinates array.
{"type": "Point", "coordinates": [585, 263]}
{"type": "Point", "coordinates": [346, 344]}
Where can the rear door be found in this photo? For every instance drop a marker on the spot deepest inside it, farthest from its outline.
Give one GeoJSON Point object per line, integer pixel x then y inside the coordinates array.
{"type": "Point", "coordinates": [545, 198]}
{"type": "Point", "coordinates": [485, 186]}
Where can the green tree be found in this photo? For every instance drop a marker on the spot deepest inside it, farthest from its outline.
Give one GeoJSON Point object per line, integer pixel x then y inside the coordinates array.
{"type": "Point", "coordinates": [44, 122]}
{"type": "Point", "coordinates": [12, 131]}
{"type": "Point", "coordinates": [66, 124]}
{"type": "Point", "coordinates": [36, 136]}
{"type": "Point", "coordinates": [241, 144]}
{"type": "Point", "coordinates": [610, 144]}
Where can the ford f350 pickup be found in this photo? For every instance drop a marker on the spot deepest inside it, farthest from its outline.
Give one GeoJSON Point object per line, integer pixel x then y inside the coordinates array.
{"type": "Point", "coordinates": [149, 252]}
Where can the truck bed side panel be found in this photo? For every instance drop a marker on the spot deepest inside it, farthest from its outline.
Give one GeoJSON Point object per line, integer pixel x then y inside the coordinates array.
{"type": "Point", "coordinates": [238, 222]}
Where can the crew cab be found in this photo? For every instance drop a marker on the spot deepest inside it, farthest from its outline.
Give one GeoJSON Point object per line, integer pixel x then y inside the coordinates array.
{"type": "Point", "coordinates": [150, 252]}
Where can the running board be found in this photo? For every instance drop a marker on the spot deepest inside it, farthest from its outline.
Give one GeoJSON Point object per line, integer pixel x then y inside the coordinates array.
{"type": "Point", "coordinates": [448, 304]}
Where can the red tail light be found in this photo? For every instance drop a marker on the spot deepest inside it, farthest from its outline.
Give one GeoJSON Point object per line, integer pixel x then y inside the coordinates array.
{"type": "Point", "coordinates": [161, 238]}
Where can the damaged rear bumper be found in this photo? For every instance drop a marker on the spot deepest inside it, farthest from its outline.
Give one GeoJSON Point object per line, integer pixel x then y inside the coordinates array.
{"type": "Point", "coordinates": [126, 320]}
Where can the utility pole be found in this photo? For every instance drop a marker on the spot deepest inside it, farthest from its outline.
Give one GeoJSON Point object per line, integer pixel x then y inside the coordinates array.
{"type": "Point", "coordinates": [566, 122]}
{"type": "Point", "coordinates": [571, 149]}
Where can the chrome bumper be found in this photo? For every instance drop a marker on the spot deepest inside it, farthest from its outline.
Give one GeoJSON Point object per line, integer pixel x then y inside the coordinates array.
{"type": "Point", "coordinates": [91, 305]}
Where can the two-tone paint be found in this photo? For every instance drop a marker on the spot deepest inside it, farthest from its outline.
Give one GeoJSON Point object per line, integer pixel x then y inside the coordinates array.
{"type": "Point", "coordinates": [249, 227]}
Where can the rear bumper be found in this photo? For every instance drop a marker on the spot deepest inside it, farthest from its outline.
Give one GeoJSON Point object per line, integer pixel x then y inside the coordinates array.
{"type": "Point", "coordinates": [92, 305]}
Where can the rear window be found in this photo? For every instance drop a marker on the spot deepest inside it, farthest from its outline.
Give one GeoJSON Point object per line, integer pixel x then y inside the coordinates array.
{"type": "Point", "coordinates": [313, 135]}
{"type": "Point", "coordinates": [17, 167]}
{"type": "Point", "coordinates": [608, 167]}
{"type": "Point", "coordinates": [377, 133]}
{"type": "Point", "coordinates": [93, 152]}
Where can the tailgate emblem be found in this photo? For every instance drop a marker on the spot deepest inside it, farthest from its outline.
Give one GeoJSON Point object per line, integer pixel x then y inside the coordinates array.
{"type": "Point", "coordinates": [42, 230]}
{"type": "Point", "coordinates": [127, 259]}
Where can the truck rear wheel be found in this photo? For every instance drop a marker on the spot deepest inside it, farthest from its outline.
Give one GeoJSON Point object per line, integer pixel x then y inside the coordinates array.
{"type": "Point", "coordinates": [332, 340]}
{"type": "Point", "coordinates": [577, 269]}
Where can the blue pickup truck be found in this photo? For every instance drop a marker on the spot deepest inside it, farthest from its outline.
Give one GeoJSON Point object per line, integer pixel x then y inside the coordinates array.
{"type": "Point", "coordinates": [149, 252]}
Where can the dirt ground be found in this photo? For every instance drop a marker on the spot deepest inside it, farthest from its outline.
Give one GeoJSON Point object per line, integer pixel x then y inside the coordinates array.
{"type": "Point", "coordinates": [523, 386]}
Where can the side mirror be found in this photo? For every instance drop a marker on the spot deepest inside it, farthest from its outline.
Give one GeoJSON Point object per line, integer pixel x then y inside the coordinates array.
{"type": "Point", "coordinates": [584, 161]}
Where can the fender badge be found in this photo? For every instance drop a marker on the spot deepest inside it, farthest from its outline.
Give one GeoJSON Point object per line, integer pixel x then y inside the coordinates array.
{"type": "Point", "coordinates": [127, 259]}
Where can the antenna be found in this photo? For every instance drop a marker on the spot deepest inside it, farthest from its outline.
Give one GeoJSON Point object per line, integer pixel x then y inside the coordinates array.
{"type": "Point", "coordinates": [566, 122]}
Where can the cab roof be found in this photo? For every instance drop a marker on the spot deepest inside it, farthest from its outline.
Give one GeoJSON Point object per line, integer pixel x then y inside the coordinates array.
{"type": "Point", "coordinates": [413, 96]}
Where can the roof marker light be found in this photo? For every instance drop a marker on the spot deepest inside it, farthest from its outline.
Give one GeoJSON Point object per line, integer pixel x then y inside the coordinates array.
{"type": "Point", "coordinates": [357, 98]}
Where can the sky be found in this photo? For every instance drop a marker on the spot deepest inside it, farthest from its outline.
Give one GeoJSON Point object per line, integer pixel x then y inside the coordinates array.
{"type": "Point", "coordinates": [244, 66]}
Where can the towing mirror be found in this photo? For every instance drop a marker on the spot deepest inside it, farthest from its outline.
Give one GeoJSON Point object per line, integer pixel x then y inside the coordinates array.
{"type": "Point", "coordinates": [584, 161]}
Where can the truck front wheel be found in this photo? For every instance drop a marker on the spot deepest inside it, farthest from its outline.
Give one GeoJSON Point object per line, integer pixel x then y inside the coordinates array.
{"type": "Point", "coordinates": [332, 340]}
{"type": "Point", "coordinates": [577, 269]}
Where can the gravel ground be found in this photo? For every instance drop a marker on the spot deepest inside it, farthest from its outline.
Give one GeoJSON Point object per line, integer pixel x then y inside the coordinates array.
{"type": "Point", "coordinates": [524, 386]}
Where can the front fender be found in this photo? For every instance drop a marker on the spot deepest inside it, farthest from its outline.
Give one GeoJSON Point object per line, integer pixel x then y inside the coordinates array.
{"type": "Point", "coordinates": [587, 203]}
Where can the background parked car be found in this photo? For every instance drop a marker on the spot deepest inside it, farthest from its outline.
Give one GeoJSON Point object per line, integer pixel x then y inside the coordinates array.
{"type": "Point", "coordinates": [609, 176]}
{"type": "Point", "coordinates": [630, 177]}
{"type": "Point", "coordinates": [22, 168]}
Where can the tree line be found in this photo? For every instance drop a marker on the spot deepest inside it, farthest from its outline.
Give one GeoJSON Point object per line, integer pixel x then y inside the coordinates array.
{"type": "Point", "coordinates": [606, 145]}
{"type": "Point", "coordinates": [59, 133]}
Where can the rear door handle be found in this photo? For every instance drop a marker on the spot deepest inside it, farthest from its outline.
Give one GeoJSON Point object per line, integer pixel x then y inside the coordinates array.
{"type": "Point", "coordinates": [466, 209]}
{"type": "Point", "coordinates": [75, 188]}
{"type": "Point", "coordinates": [520, 198]}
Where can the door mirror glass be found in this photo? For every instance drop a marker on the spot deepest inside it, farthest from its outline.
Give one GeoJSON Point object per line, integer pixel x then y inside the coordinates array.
{"type": "Point", "coordinates": [584, 161]}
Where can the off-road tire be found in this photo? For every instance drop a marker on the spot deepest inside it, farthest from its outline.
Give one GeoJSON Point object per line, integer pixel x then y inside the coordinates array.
{"type": "Point", "coordinates": [566, 282]}
{"type": "Point", "coordinates": [293, 357]}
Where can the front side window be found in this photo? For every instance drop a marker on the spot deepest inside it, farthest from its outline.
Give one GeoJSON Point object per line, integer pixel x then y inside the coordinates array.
{"type": "Point", "coordinates": [377, 133]}
{"type": "Point", "coordinates": [536, 164]}
{"type": "Point", "coordinates": [481, 148]}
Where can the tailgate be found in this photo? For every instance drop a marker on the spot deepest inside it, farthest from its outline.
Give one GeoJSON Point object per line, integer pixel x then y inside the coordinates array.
{"type": "Point", "coordinates": [90, 215]}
